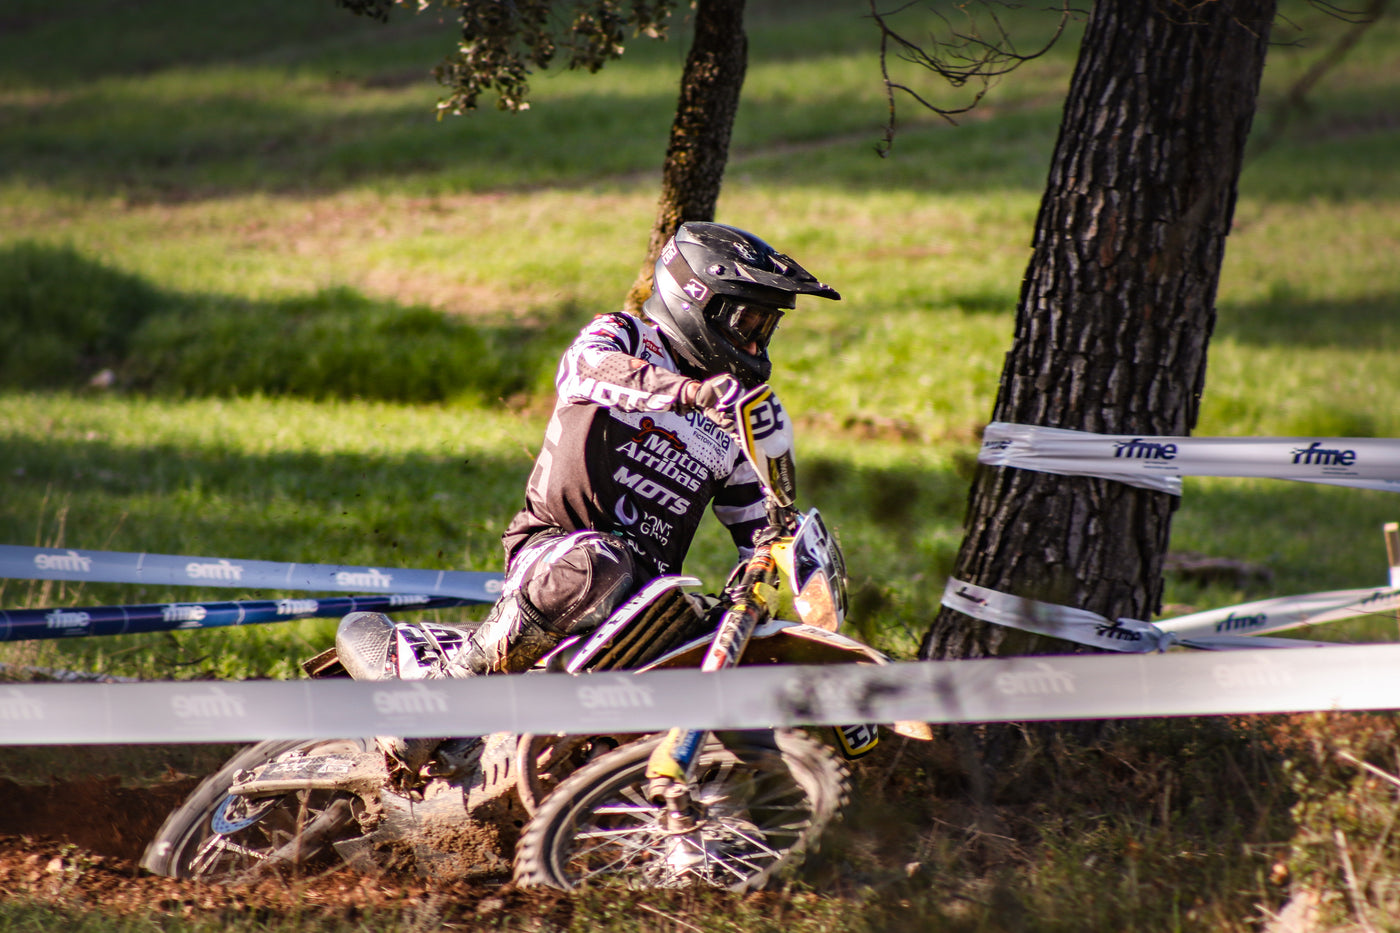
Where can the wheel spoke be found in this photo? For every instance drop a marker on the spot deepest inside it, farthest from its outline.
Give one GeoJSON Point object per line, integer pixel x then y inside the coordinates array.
{"type": "Point", "coordinates": [757, 810]}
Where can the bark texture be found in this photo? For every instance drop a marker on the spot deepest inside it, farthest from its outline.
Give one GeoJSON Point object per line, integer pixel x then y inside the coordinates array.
{"type": "Point", "coordinates": [699, 145]}
{"type": "Point", "coordinates": [1117, 307]}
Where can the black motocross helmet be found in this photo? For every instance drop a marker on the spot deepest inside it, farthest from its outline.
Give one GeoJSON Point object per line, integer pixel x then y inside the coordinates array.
{"type": "Point", "coordinates": [718, 295]}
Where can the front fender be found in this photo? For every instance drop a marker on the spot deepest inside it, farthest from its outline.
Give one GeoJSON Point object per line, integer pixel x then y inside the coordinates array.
{"type": "Point", "coordinates": [780, 642]}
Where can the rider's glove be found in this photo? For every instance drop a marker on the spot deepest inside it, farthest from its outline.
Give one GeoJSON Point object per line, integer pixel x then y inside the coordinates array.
{"type": "Point", "coordinates": [714, 398]}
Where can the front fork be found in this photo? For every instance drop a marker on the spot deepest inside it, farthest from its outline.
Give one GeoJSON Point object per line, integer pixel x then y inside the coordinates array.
{"type": "Point", "coordinates": [672, 764]}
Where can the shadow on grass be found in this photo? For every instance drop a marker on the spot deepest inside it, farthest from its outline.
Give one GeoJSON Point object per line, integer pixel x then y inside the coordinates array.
{"type": "Point", "coordinates": [69, 318]}
{"type": "Point", "coordinates": [1284, 319]}
{"type": "Point", "coordinates": [293, 506]}
{"type": "Point", "coordinates": [184, 105]}
{"type": "Point", "coordinates": [415, 510]}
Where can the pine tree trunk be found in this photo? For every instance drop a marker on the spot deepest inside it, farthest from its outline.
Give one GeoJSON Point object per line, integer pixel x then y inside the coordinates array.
{"type": "Point", "coordinates": [1117, 307]}
{"type": "Point", "coordinates": [699, 146]}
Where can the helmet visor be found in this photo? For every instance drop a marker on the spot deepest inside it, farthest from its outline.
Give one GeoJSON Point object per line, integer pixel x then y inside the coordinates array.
{"type": "Point", "coordinates": [747, 322]}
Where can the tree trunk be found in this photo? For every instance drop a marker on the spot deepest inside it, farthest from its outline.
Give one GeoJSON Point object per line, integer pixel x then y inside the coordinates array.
{"type": "Point", "coordinates": [1116, 308]}
{"type": "Point", "coordinates": [699, 147]}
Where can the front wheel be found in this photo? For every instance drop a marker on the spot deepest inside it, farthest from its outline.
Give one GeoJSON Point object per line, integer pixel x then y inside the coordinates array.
{"type": "Point", "coordinates": [218, 835]}
{"type": "Point", "coordinates": [758, 811]}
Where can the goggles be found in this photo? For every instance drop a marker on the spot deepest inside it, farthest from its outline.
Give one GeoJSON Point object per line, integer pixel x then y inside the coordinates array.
{"type": "Point", "coordinates": [746, 322]}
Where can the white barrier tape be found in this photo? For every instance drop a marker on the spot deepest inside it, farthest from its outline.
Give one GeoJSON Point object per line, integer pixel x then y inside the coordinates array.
{"type": "Point", "coordinates": [28, 563]}
{"type": "Point", "coordinates": [1077, 625]}
{"type": "Point", "coordinates": [1160, 462]}
{"type": "Point", "coordinates": [1283, 613]}
{"type": "Point", "coordinates": [988, 690]}
{"type": "Point", "coordinates": [1131, 636]}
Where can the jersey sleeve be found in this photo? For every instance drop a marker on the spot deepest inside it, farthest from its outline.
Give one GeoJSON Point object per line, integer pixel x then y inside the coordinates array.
{"type": "Point", "coordinates": [607, 365]}
{"type": "Point", "coordinates": [739, 506]}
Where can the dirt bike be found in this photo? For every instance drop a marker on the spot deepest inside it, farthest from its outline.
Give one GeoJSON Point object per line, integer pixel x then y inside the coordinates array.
{"type": "Point", "coordinates": [732, 810]}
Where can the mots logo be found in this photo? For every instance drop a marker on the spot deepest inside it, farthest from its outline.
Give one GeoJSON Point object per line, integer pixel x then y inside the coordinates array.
{"type": "Point", "coordinates": [1139, 449]}
{"type": "Point", "coordinates": [1317, 455]}
{"type": "Point", "coordinates": [648, 489]}
{"type": "Point", "coordinates": [614, 396]}
{"type": "Point", "coordinates": [661, 451]}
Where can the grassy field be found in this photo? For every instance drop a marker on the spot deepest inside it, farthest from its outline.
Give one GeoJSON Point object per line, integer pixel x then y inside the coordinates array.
{"type": "Point", "coordinates": [331, 320]}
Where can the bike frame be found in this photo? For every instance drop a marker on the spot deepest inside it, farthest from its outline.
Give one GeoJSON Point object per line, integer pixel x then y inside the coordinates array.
{"type": "Point", "coordinates": [767, 443]}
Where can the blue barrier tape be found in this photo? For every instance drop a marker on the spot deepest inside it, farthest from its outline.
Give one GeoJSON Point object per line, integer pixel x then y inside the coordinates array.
{"type": "Point", "coordinates": [27, 624]}
{"type": "Point", "coordinates": [28, 563]}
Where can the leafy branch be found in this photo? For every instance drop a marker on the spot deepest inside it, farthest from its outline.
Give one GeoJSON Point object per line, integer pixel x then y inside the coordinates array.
{"type": "Point", "coordinates": [504, 41]}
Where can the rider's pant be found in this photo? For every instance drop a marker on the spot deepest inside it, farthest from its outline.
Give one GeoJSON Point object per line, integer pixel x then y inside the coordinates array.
{"type": "Point", "coordinates": [557, 585]}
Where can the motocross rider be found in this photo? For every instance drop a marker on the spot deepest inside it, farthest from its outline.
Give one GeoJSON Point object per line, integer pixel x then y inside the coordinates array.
{"type": "Point", "coordinates": [639, 445]}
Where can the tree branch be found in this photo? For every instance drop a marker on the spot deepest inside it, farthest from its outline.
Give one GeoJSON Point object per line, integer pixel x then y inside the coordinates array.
{"type": "Point", "coordinates": [958, 57]}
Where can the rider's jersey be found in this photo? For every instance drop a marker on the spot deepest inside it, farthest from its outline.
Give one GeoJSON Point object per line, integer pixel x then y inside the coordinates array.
{"type": "Point", "coordinates": [618, 459]}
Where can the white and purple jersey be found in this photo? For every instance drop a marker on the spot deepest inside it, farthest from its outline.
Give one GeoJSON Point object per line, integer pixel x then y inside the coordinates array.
{"type": "Point", "coordinates": [618, 458]}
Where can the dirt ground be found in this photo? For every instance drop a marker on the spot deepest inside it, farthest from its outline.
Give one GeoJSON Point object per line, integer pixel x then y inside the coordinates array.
{"type": "Point", "coordinates": [77, 843]}
{"type": "Point", "coordinates": [71, 835]}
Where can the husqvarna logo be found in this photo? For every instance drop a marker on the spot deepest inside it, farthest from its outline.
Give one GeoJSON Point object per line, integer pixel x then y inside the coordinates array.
{"type": "Point", "coordinates": [620, 693]}
{"type": "Point", "coordinates": [766, 418]}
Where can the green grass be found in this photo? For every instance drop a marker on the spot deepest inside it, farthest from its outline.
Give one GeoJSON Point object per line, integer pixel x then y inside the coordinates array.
{"type": "Point", "coordinates": [247, 217]}
{"type": "Point", "coordinates": [333, 321]}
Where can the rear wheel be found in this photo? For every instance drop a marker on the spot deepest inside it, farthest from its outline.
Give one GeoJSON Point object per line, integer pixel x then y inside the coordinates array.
{"type": "Point", "coordinates": [757, 811]}
{"type": "Point", "coordinates": [216, 834]}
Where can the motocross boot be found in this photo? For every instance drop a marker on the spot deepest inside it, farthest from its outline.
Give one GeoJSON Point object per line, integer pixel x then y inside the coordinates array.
{"type": "Point", "coordinates": [367, 643]}
{"type": "Point", "coordinates": [514, 636]}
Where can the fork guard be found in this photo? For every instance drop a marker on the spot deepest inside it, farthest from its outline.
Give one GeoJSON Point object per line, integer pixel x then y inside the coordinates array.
{"type": "Point", "coordinates": [780, 642]}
